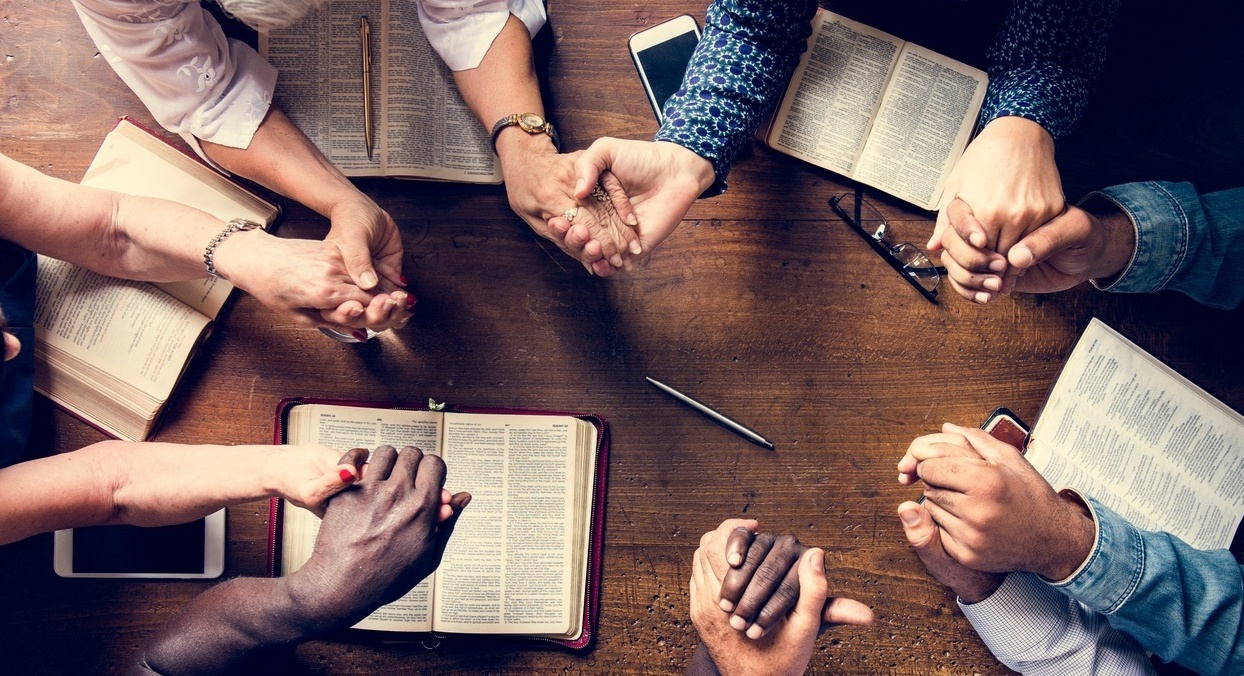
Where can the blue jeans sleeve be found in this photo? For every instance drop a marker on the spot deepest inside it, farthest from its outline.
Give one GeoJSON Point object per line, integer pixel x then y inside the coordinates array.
{"type": "Point", "coordinates": [743, 61]}
{"type": "Point", "coordinates": [1184, 605]}
{"type": "Point", "coordinates": [1185, 241]}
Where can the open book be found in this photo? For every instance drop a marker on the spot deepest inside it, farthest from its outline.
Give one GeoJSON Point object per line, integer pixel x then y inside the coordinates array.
{"type": "Point", "coordinates": [422, 127]}
{"type": "Point", "coordinates": [109, 350]}
{"type": "Point", "coordinates": [887, 113]}
{"type": "Point", "coordinates": [1123, 427]}
{"type": "Point", "coordinates": [525, 556]}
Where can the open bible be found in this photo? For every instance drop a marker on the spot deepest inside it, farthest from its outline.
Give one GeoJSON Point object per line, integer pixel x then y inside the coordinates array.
{"type": "Point", "coordinates": [422, 128]}
{"type": "Point", "coordinates": [110, 350]}
{"type": "Point", "coordinates": [1123, 427]}
{"type": "Point", "coordinates": [524, 559]}
{"type": "Point", "coordinates": [887, 113]}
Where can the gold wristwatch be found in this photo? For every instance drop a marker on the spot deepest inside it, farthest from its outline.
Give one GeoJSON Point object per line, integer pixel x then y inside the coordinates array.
{"type": "Point", "coordinates": [528, 122]}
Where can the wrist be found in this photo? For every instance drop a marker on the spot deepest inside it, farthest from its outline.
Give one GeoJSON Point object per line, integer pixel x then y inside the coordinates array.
{"type": "Point", "coordinates": [696, 169]}
{"type": "Point", "coordinates": [1119, 242]}
{"type": "Point", "coordinates": [514, 143]}
{"type": "Point", "coordinates": [234, 257]}
{"type": "Point", "coordinates": [1019, 129]}
{"type": "Point", "coordinates": [1073, 541]}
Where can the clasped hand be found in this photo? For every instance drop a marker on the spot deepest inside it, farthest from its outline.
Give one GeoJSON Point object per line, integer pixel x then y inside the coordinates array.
{"type": "Point", "coordinates": [759, 601]}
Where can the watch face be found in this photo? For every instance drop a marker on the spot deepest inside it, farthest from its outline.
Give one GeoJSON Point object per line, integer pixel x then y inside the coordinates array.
{"type": "Point", "coordinates": [531, 122]}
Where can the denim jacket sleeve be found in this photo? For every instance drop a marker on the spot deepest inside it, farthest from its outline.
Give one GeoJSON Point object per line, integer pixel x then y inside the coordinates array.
{"type": "Point", "coordinates": [743, 61]}
{"type": "Point", "coordinates": [1046, 61]}
{"type": "Point", "coordinates": [1183, 604]}
{"type": "Point", "coordinates": [1035, 630]}
{"type": "Point", "coordinates": [1185, 241]}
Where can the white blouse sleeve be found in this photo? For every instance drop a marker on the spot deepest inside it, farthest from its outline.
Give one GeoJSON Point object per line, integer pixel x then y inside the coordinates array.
{"type": "Point", "coordinates": [461, 31]}
{"type": "Point", "coordinates": [175, 57]}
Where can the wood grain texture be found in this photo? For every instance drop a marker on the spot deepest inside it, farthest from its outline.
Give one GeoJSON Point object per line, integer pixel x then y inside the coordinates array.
{"type": "Point", "coordinates": [762, 304]}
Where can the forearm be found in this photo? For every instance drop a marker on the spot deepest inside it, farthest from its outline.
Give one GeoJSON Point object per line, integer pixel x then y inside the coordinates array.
{"type": "Point", "coordinates": [1046, 61]}
{"type": "Point", "coordinates": [230, 624]}
{"type": "Point", "coordinates": [144, 484]}
{"type": "Point", "coordinates": [743, 61]}
{"type": "Point", "coordinates": [1184, 605]}
{"type": "Point", "coordinates": [504, 83]}
{"type": "Point", "coordinates": [281, 158]}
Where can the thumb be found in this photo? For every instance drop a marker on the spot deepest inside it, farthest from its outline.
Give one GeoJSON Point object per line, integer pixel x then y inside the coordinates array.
{"type": "Point", "coordinates": [331, 483]}
{"type": "Point", "coordinates": [960, 216]}
{"type": "Point", "coordinates": [355, 245]}
{"type": "Point", "coordinates": [591, 162]}
{"type": "Point", "coordinates": [919, 528]}
{"type": "Point", "coordinates": [1066, 230]}
{"type": "Point", "coordinates": [813, 590]}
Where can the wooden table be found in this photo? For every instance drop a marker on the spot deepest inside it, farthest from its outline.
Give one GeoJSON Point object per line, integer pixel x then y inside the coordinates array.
{"type": "Point", "coordinates": [762, 304]}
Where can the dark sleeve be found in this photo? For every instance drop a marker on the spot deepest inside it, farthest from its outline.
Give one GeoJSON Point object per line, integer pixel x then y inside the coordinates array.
{"type": "Point", "coordinates": [1046, 61]}
{"type": "Point", "coordinates": [745, 58]}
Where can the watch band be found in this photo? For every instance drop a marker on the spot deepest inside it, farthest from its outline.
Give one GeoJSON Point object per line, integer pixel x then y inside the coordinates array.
{"type": "Point", "coordinates": [528, 122]}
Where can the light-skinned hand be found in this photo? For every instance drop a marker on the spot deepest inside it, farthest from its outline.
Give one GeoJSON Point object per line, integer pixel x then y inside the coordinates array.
{"type": "Point", "coordinates": [760, 579]}
{"type": "Point", "coordinates": [661, 180]}
{"type": "Point", "coordinates": [1008, 182]}
{"type": "Point", "coordinates": [540, 185]}
{"type": "Point", "coordinates": [786, 649]}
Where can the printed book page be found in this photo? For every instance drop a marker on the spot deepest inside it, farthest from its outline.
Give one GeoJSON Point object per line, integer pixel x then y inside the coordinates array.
{"type": "Point", "coordinates": [841, 77]}
{"type": "Point", "coordinates": [522, 473]}
{"type": "Point", "coordinates": [1126, 429]}
{"type": "Point", "coordinates": [129, 330]}
{"type": "Point", "coordinates": [924, 124]}
{"type": "Point", "coordinates": [422, 128]}
{"type": "Point", "coordinates": [133, 161]}
{"type": "Point", "coordinates": [347, 427]}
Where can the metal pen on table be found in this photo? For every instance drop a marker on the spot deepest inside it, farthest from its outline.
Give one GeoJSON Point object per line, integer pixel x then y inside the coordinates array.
{"type": "Point", "coordinates": [365, 36]}
{"type": "Point", "coordinates": [736, 427]}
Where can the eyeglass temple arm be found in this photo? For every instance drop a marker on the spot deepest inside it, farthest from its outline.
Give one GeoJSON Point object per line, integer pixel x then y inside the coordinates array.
{"type": "Point", "coordinates": [881, 249]}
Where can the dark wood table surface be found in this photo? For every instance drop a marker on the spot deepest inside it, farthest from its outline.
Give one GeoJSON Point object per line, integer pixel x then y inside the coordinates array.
{"type": "Point", "coordinates": [762, 304]}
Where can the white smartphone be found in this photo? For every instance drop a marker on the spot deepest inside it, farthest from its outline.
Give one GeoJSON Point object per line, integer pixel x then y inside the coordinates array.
{"type": "Point", "coordinates": [188, 550]}
{"type": "Point", "coordinates": [661, 54]}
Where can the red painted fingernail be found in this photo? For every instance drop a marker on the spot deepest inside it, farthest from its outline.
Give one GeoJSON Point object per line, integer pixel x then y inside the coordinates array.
{"type": "Point", "coordinates": [410, 300]}
{"type": "Point", "coordinates": [360, 335]}
{"type": "Point", "coordinates": [402, 278]}
{"type": "Point", "coordinates": [346, 476]}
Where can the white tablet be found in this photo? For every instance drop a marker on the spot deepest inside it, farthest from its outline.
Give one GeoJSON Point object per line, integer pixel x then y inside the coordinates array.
{"type": "Point", "coordinates": [189, 550]}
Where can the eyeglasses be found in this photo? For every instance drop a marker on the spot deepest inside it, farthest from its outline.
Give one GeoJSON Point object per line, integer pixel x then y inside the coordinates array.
{"type": "Point", "coordinates": [909, 260]}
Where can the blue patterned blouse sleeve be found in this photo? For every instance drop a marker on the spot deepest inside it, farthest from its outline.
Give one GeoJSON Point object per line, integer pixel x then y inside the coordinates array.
{"type": "Point", "coordinates": [744, 60]}
{"type": "Point", "coordinates": [1046, 61]}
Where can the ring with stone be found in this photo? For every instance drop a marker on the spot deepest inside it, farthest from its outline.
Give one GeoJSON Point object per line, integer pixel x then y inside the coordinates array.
{"type": "Point", "coordinates": [570, 213]}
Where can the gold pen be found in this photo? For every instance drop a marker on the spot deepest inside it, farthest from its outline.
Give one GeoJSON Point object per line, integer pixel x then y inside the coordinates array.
{"type": "Point", "coordinates": [365, 34]}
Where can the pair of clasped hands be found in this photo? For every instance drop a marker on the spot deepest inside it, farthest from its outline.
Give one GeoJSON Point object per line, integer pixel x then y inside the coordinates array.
{"type": "Point", "coordinates": [1005, 225]}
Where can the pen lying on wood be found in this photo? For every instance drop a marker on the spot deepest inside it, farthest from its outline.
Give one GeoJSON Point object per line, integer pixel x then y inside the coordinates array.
{"type": "Point", "coordinates": [723, 420]}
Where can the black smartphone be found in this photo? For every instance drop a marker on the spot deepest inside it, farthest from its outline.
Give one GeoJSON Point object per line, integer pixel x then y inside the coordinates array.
{"type": "Point", "coordinates": [661, 54]}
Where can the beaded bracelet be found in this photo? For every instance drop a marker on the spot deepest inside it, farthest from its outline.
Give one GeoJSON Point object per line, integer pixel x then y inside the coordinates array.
{"type": "Point", "coordinates": [236, 225]}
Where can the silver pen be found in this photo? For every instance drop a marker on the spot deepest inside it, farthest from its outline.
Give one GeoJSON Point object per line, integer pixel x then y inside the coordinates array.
{"type": "Point", "coordinates": [723, 420]}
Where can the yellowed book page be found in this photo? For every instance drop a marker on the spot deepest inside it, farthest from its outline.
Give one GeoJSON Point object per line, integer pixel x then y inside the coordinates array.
{"type": "Point", "coordinates": [422, 127]}
{"type": "Point", "coordinates": [508, 566]}
{"type": "Point", "coordinates": [134, 162]}
{"type": "Point", "coordinates": [838, 87]}
{"type": "Point", "coordinates": [1126, 429]}
{"type": "Point", "coordinates": [347, 427]}
{"type": "Point", "coordinates": [924, 123]}
{"type": "Point", "coordinates": [129, 330]}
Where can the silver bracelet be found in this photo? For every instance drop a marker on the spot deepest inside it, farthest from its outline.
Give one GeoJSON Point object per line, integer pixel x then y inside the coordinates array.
{"type": "Point", "coordinates": [236, 225]}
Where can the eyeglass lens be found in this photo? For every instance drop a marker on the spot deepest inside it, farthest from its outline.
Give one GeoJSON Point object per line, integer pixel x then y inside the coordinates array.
{"type": "Point", "coordinates": [915, 261]}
